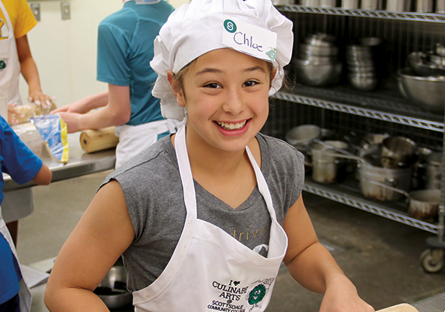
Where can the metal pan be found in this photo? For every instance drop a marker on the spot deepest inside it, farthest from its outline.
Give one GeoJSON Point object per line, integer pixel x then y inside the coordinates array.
{"type": "Point", "coordinates": [423, 204]}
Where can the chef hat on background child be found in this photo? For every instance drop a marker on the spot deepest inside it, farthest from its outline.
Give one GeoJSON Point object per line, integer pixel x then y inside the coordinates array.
{"type": "Point", "coordinates": [254, 27]}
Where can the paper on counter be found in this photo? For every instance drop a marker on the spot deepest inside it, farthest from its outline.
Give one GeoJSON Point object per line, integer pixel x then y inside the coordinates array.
{"type": "Point", "coordinates": [33, 277]}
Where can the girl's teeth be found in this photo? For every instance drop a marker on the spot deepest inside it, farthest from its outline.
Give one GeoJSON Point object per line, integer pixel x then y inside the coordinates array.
{"type": "Point", "coordinates": [232, 126]}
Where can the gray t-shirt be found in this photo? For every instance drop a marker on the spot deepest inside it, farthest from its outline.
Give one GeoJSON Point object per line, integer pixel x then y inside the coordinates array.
{"type": "Point", "coordinates": [153, 193]}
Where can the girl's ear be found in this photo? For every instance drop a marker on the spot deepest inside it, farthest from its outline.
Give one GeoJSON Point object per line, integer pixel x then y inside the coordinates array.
{"type": "Point", "coordinates": [176, 88]}
{"type": "Point", "coordinates": [274, 73]}
{"type": "Point", "coordinates": [272, 76]}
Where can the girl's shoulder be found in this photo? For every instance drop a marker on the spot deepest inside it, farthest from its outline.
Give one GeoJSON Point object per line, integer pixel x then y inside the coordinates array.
{"type": "Point", "coordinates": [277, 149]}
{"type": "Point", "coordinates": [147, 163]}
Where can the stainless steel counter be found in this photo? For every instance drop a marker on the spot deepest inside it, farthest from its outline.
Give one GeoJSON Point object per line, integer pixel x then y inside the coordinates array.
{"type": "Point", "coordinates": [79, 164]}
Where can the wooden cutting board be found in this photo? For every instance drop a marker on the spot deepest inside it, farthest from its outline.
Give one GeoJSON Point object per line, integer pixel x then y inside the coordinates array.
{"type": "Point", "coordinates": [403, 307]}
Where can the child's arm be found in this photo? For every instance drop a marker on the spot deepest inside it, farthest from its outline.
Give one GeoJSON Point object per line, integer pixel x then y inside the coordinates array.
{"type": "Point", "coordinates": [44, 176]}
{"type": "Point", "coordinates": [30, 73]}
{"type": "Point", "coordinates": [310, 264]}
{"type": "Point", "coordinates": [103, 233]}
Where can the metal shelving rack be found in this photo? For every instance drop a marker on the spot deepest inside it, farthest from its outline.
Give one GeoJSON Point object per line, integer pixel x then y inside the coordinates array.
{"type": "Point", "coordinates": [408, 16]}
{"type": "Point", "coordinates": [383, 108]}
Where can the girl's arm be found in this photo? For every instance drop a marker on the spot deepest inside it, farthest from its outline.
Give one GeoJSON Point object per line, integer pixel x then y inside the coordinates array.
{"type": "Point", "coordinates": [103, 233]}
{"type": "Point", "coordinates": [310, 264]}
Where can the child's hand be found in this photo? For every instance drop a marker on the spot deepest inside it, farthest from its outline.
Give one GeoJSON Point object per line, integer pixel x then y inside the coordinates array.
{"type": "Point", "coordinates": [343, 297]}
{"type": "Point", "coordinates": [72, 121]}
{"type": "Point", "coordinates": [39, 98]}
{"type": "Point", "coordinates": [13, 114]}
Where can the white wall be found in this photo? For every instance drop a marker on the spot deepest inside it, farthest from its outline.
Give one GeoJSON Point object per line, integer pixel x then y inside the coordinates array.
{"type": "Point", "coordinates": [65, 50]}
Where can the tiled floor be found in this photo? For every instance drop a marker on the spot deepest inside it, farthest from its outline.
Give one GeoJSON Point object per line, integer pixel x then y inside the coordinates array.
{"type": "Point", "coordinates": [379, 255]}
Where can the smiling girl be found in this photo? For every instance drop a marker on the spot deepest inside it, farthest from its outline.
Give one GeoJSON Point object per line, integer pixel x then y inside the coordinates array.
{"type": "Point", "coordinates": [204, 218]}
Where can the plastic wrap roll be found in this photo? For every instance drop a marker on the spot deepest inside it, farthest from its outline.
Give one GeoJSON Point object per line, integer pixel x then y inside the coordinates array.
{"type": "Point", "coordinates": [98, 140]}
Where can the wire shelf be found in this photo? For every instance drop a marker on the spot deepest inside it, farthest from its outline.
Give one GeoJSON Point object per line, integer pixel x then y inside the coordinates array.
{"type": "Point", "coordinates": [406, 16]}
{"type": "Point", "coordinates": [342, 194]}
{"type": "Point", "coordinates": [400, 118]}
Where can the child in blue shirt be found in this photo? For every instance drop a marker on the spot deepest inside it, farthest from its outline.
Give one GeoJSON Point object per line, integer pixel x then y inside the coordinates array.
{"type": "Point", "coordinates": [17, 160]}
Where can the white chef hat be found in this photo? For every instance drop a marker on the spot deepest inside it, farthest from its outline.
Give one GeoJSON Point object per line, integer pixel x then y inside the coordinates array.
{"type": "Point", "coordinates": [205, 25]}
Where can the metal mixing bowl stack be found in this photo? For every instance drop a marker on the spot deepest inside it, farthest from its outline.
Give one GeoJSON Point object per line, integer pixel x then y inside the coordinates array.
{"type": "Point", "coordinates": [360, 58]}
{"type": "Point", "coordinates": [317, 63]}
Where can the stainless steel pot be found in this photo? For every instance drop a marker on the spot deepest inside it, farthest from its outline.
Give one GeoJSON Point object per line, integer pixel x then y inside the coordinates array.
{"type": "Point", "coordinates": [398, 5]}
{"type": "Point", "coordinates": [423, 204]}
{"type": "Point", "coordinates": [112, 290]}
{"type": "Point", "coordinates": [371, 175]}
{"type": "Point", "coordinates": [350, 4]}
{"type": "Point", "coordinates": [328, 3]}
{"type": "Point", "coordinates": [398, 151]}
{"type": "Point", "coordinates": [370, 4]}
{"type": "Point", "coordinates": [326, 167]}
{"type": "Point", "coordinates": [424, 6]}
{"type": "Point", "coordinates": [433, 170]}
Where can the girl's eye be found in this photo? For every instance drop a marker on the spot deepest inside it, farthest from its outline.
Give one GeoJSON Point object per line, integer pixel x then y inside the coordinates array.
{"type": "Point", "coordinates": [212, 85]}
{"type": "Point", "coordinates": [250, 83]}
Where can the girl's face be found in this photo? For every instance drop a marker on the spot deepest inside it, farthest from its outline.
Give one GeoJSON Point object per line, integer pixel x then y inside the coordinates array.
{"type": "Point", "coordinates": [226, 96]}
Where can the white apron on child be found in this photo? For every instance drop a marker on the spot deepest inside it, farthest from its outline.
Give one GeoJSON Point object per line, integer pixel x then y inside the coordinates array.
{"type": "Point", "coordinates": [9, 63]}
{"type": "Point", "coordinates": [134, 139]}
{"type": "Point", "coordinates": [209, 269]}
{"type": "Point", "coordinates": [9, 85]}
{"type": "Point", "coordinates": [24, 293]}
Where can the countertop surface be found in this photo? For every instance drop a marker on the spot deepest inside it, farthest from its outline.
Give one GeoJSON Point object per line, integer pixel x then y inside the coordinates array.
{"type": "Point", "coordinates": [79, 163]}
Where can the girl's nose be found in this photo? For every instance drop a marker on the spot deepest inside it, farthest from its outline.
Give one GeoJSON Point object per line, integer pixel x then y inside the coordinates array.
{"type": "Point", "coordinates": [234, 103]}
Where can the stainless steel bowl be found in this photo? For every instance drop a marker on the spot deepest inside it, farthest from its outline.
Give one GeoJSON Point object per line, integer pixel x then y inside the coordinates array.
{"type": "Point", "coordinates": [440, 49]}
{"type": "Point", "coordinates": [319, 50]}
{"type": "Point", "coordinates": [320, 39]}
{"type": "Point", "coordinates": [424, 91]}
{"type": "Point", "coordinates": [361, 68]}
{"type": "Point", "coordinates": [363, 82]}
{"type": "Point", "coordinates": [438, 60]}
{"type": "Point", "coordinates": [317, 74]}
{"type": "Point", "coordinates": [317, 60]}
{"type": "Point", "coordinates": [420, 65]}
{"type": "Point", "coordinates": [112, 290]}
{"type": "Point", "coordinates": [370, 41]}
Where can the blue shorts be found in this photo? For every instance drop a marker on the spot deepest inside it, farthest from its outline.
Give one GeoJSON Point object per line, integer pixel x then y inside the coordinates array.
{"type": "Point", "coordinates": [12, 305]}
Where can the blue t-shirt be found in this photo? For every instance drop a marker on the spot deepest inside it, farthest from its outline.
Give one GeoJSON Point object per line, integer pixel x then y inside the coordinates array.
{"type": "Point", "coordinates": [17, 160]}
{"type": "Point", "coordinates": [125, 49]}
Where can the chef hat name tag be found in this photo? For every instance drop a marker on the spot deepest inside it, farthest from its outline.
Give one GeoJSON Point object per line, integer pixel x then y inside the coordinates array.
{"type": "Point", "coordinates": [250, 39]}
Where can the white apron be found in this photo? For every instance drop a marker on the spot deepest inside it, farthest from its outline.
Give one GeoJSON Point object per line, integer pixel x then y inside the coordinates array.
{"type": "Point", "coordinates": [209, 269]}
{"type": "Point", "coordinates": [9, 63]}
{"type": "Point", "coordinates": [134, 139]}
{"type": "Point", "coordinates": [24, 293]}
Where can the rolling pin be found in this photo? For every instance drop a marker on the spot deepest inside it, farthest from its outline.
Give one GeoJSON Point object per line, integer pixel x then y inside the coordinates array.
{"type": "Point", "coordinates": [403, 307]}
{"type": "Point", "coordinates": [98, 140]}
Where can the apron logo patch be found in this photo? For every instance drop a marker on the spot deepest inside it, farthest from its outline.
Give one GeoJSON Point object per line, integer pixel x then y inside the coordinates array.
{"type": "Point", "coordinates": [258, 291]}
{"type": "Point", "coordinates": [232, 298]}
{"type": "Point", "coordinates": [257, 294]}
